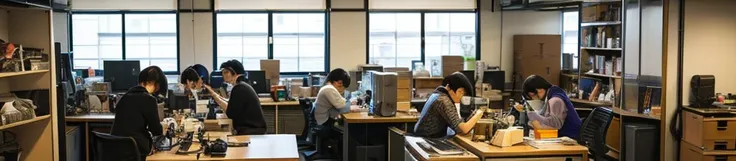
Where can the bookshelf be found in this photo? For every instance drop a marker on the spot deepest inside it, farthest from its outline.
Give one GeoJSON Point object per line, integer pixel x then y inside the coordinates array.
{"type": "Point", "coordinates": [601, 53]}
{"type": "Point", "coordinates": [31, 27]}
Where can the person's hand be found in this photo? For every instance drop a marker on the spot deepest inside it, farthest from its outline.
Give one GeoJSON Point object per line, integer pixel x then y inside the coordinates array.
{"type": "Point", "coordinates": [354, 101]}
{"type": "Point", "coordinates": [519, 107]}
{"type": "Point", "coordinates": [209, 88]}
{"type": "Point", "coordinates": [354, 108]}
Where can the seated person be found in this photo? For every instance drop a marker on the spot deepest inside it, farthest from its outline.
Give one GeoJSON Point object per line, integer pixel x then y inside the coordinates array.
{"type": "Point", "coordinates": [190, 82]}
{"type": "Point", "coordinates": [330, 101]}
{"type": "Point", "coordinates": [557, 111]}
{"type": "Point", "coordinates": [137, 111]}
{"type": "Point", "coordinates": [243, 107]}
{"type": "Point", "coordinates": [441, 112]}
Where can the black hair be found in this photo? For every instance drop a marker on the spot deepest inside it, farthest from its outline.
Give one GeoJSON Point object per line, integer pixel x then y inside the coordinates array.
{"type": "Point", "coordinates": [532, 83]}
{"type": "Point", "coordinates": [234, 66]}
{"type": "Point", "coordinates": [459, 80]}
{"type": "Point", "coordinates": [189, 74]}
{"type": "Point", "coordinates": [339, 74]}
{"type": "Point", "coordinates": [154, 74]}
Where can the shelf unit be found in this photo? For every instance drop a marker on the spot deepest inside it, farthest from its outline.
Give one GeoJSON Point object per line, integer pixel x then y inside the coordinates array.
{"type": "Point", "coordinates": [31, 26]}
{"type": "Point", "coordinates": [600, 55]}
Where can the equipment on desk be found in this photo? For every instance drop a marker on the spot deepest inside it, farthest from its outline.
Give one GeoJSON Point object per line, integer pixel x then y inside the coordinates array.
{"type": "Point", "coordinates": [702, 90]}
{"type": "Point", "coordinates": [441, 146]}
{"type": "Point", "coordinates": [257, 79]}
{"type": "Point", "coordinates": [496, 78]}
{"type": "Point", "coordinates": [383, 98]}
{"type": "Point", "coordinates": [123, 74]}
{"type": "Point", "coordinates": [483, 130]}
{"type": "Point", "coordinates": [165, 142]}
{"type": "Point", "coordinates": [507, 137]}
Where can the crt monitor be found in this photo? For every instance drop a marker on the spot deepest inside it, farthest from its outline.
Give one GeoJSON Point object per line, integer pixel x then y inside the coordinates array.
{"type": "Point", "coordinates": [122, 74]}
{"type": "Point", "coordinates": [257, 79]}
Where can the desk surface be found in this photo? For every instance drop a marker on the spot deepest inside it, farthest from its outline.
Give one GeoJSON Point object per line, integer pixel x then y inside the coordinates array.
{"type": "Point", "coordinates": [363, 117]}
{"type": "Point", "coordinates": [92, 117]}
{"type": "Point", "coordinates": [262, 147]}
{"type": "Point", "coordinates": [280, 103]}
{"type": "Point", "coordinates": [492, 151]}
{"type": "Point", "coordinates": [421, 154]}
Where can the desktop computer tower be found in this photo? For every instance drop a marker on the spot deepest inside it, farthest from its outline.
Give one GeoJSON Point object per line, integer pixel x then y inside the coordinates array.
{"type": "Point", "coordinates": [383, 100]}
{"type": "Point", "coordinates": [641, 142]}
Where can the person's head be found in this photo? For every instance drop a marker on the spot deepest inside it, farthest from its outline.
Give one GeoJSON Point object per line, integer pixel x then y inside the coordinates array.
{"type": "Point", "coordinates": [231, 70]}
{"type": "Point", "coordinates": [339, 78]}
{"type": "Point", "coordinates": [457, 86]}
{"type": "Point", "coordinates": [153, 79]}
{"type": "Point", "coordinates": [535, 87]}
{"type": "Point", "coordinates": [191, 79]}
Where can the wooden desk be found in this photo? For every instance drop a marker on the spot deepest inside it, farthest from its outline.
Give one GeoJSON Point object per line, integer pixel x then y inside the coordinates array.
{"type": "Point", "coordinates": [92, 117]}
{"type": "Point", "coordinates": [283, 116]}
{"type": "Point", "coordinates": [280, 103]}
{"type": "Point", "coordinates": [522, 150]}
{"type": "Point", "coordinates": [363, 117]}
{"type": "Point", "coordinates": [261, 148]}
{"type": "Point", "coordinates": [420, 154]}
{"type": "Point", "coordinates": [361, 126]}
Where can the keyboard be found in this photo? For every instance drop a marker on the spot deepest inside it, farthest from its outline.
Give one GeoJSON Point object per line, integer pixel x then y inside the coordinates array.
{"type": "Point", "coordinates": [444, 147]}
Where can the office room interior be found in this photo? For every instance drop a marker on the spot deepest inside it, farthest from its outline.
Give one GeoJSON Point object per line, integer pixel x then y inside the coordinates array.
{"type": "Point", "coordinates": [354, 80]}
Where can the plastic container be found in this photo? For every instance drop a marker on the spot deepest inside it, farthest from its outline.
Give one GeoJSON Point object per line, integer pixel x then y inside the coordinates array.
{"type": "Point", "coordinates": [545, 134]}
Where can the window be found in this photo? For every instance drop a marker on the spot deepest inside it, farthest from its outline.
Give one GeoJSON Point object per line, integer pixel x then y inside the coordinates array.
{"type": "Point", "coordinates": [395, 39]}
{"type": "Point", "coordinates": [95, 38]}
{"type": "Point", "coordinates": [570, 36]}
{"type": "Point", "coordinates": [449, 34]}
{"type": "Point", "coordinates": [243, 37]}
{"type": "Point", "coordinates": [150, 38]}
{"type": "Point", "coordinates": [298, 40]}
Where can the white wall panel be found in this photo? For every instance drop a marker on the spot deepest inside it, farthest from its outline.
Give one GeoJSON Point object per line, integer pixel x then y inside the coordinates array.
{"type": "Point", "coordinates": [123, 4]}
{"type": "Point", "coordinates": [269, 4]}
{"type": "Point", "coordinates": [347, 40]}
{"type": "Point", "coordinates": [195, 38]}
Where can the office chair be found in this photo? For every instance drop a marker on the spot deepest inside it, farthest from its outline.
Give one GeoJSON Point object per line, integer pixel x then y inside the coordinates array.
{"type": "Point", "coordinates": [593, 136]}
{"type": "Point", "coordinates": [306, 140]}
{"type": "Point", "coordinates": [323, 149]}
{"type": "Point", "coordinates": [107, 148]}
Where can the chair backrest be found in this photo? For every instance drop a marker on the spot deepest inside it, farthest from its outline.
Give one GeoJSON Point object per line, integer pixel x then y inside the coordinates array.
{"type": "Point", "coordinates": [306, 105]}
{"type": "Point", "coordinates": [115, 148]}
{"type": "Point", "coordinates": [593, 132]}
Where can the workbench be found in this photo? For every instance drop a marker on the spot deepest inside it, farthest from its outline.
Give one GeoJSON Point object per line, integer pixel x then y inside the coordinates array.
{"type": "Point", "coordinates": [361, 130]}
{"type": "Point", "coordinates": [261, 148]}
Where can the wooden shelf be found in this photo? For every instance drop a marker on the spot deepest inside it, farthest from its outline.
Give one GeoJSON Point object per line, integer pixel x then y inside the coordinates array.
{"type": "Point", "coordinates": [602, 75]}
{"type": "Point", "coordinates": [600, 23]}
{"type": "Point", "coordinates": [623, 112]}
{"type": "Point", "coordinates": [593, 103]}
{"type": "Point", "coordinates": [20, 123]}
{"type": "Point", "coordinates": [601, 49]}
{"type": "Point", "coordinates": [13, 74]}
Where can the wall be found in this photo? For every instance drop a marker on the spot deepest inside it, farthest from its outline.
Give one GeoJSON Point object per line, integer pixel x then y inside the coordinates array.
{"type": "Point", "coordinates": [709, 43]}
{"type": "Point", "coordinates": [61, 30]}
{"type": "Point", "coordinates": [347, 48]}
{"type": "Point", "coordinates": [670, 149]}
{"type": "Point", "coordinates": [3, 25]}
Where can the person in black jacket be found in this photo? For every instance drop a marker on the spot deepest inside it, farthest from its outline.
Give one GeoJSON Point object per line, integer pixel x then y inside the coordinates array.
{"type": "Point", "coordinates": [137, 111]}
{"type": "Point", "coordinates": [243, 107]}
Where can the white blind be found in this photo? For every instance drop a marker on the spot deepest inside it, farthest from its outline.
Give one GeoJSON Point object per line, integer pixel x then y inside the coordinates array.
{"type": "Point", "coordinates": [269, 4]}
{"type": "Point", "coordinates": [123, 4]}
{"type": "Point", "coordinates": [422, 4]}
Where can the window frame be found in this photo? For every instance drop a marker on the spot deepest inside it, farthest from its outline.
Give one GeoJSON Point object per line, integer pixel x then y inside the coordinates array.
{"type": "Point", "coordinates": [122, 13]}
{"type": "Point", "coordinates": [423, 34]}
{"type": "Point", "coordinates": [270, 36]}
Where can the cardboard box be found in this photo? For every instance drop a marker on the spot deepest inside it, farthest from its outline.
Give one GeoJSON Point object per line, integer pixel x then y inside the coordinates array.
{"type": "Point", "coordinates": [451, 64]}
{"type": "Point", "coordinates": [709, 133]}
{"type": "Point", "coordinates": [272, 69]}
{"type": "Point", "coordinates": [594, 13]}
{"type": "Point", "coordinates": [539, 55]}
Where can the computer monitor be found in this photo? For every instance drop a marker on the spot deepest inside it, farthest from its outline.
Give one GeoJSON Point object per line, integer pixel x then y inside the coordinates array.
{"type": "Point", "coordinates": [216, 79]}
{"type": "Point", "coordinates": [257, 79]}
{"type": "Point", "coordinates": [122, 74]}
{"type": "Point", "coordinates": [496, 78]}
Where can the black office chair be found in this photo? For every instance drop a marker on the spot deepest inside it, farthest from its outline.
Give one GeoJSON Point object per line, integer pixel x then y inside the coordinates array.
{"type": "Point", "coordinates": [325, 147]}
{"type": "Point", "coordinates": [107, 148]}
{"type": "Point", "coordinates": [306, 140]}
{"type": "Point", "coordinates": [593, 133]}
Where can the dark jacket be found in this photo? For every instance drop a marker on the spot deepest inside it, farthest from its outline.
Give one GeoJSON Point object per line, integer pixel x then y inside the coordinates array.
{"type": "Point", "coordinates": [438, 114]}
{"type": "Point", "coordinates": [136, 115]}
{"type": "Point", "coordinates": [244, 108]}
{"type": "Point", "coordinates": [571, 128]}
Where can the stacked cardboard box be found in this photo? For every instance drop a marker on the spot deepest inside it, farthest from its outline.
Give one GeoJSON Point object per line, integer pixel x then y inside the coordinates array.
{"type": "Point", "coordinates": [272, 69]}
{"type": "Point", "coordinates": [451, 64]}
{"type": "Point", "coordinates": [403, 86]}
